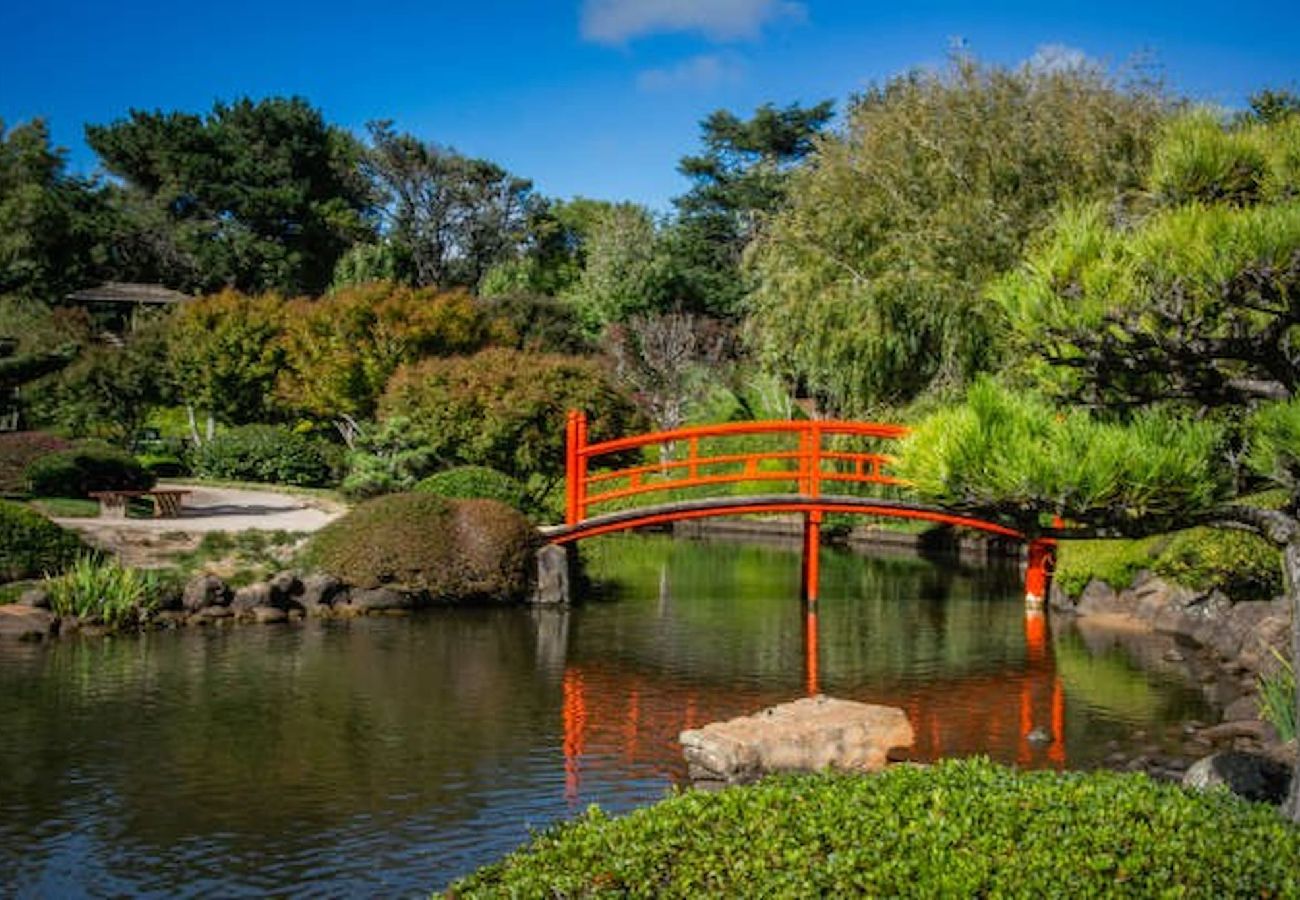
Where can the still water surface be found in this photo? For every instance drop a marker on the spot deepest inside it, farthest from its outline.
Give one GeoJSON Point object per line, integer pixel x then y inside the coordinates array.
{"type": "Point", "coordinates": [388, 756]}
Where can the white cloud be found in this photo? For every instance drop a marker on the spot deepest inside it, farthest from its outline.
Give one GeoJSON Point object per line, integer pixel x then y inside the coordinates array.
{"type": "Point", "coordinates": [616, 21]}
{"type": "Point", "coordinates": [697, 73]}
{"type": "Point", "coordinates": [1058, 58]}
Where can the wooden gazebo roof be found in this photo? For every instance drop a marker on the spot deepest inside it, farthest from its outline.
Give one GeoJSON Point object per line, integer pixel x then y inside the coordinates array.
{"type": "Point", "coordinates": [127, 293]}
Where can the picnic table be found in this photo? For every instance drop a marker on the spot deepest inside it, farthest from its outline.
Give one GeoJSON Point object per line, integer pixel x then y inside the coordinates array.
{"type": "Point", "coordinates": [167, 502]}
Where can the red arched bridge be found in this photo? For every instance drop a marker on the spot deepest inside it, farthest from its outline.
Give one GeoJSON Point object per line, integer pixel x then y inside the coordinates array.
{"type": "Point", "coordinates": [822, 460]}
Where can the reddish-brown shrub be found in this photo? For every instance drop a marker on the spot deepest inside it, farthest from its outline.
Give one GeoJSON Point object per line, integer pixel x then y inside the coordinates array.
{"type": "Point", "coordinates": [20, 448]}
{"type": "Point", "coordinates": [448, 551]}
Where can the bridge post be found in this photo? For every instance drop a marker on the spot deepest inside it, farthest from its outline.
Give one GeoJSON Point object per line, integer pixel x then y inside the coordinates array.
{"type": "Point", "coordinates": [575, 466]}
{"type": "Point", "coordinates": [812, 539]}
{"type": "Point", "coordinates": [1038, 573]}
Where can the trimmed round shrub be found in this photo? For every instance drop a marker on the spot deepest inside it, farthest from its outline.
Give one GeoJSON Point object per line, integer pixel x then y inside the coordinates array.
{"type": "Point", "coordinates": [18, 449]}
{"type": "Point", "coordinates": [451, 551]}
{"type": "Point", "coordinates": [960, 828]}
{"type": "Point", "coordinates": [31, 545]}
{"type": "Point", "coordinates": [269, 454]}
{"type": "Point", "coordinates": [474, 483]}
{"type": "Point", "coordinates": [86, 468]}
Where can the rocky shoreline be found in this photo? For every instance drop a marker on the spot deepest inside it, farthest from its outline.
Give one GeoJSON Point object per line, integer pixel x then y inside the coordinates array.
{"type": "Point", "coordinates": [209, 600]}
{"type": "Point", "coordinates": [1207, 640]}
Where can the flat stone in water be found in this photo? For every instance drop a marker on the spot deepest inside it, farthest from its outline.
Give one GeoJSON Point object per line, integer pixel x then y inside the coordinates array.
{"type": "Point", "coordinates": [807, 735]}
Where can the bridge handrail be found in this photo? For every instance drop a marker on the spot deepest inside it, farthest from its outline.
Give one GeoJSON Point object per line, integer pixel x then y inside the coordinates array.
{"type": "Point", "coordinates": [867, 466]}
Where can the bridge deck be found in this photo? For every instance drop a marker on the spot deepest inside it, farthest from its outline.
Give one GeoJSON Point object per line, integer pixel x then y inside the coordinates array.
{"type": "Point", "coordinates": [627, 519]}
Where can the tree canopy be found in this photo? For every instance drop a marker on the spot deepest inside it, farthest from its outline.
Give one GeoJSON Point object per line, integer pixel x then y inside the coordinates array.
{"type": "Point", "coordinates": [869, 279]}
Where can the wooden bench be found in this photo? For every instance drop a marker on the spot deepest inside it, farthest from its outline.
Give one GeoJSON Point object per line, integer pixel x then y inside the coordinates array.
{"type": "Point", "coordinates": [167, 502]}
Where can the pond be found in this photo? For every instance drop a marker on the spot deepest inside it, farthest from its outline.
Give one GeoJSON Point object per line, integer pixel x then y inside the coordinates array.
{"type": "Point", "coordinates": [388, 756]}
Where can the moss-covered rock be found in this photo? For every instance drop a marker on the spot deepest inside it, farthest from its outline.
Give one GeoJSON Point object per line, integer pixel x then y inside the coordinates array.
{"type": "Point", "coordinates": [448, 551]}
{"type": "Point", "coordinates": [964, 828]}
{"type": "Point", "coordinates": [31, 545]}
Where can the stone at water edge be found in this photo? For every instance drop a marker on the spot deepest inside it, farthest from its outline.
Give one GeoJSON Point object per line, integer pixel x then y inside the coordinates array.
{"type": "Point", "coordinates": [807, 735]}
{"type": "Point", "coordinates": [26, 623]}
{"type": "Point", "coordinates": [1250, 775]}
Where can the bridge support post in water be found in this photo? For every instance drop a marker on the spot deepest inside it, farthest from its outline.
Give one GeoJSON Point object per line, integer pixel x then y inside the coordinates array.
{"type": "Point", "coordinates": [812, 538]}
{"type": "Point", "coordinates": [1038, 572]}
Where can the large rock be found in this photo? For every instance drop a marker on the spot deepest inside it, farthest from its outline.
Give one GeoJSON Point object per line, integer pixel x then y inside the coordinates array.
{"type": "Point", "coordinates": [1250, 775]}
{"type": "Point", "coordinates": [807, 735]}
{"type": "Point", "coordinates": [553, 583]}
{"type": "Point", "coordinates": [375, 600]}
{"type": "Point", "coordinates": [26, 623]}
{"type": "Point", "coordinates": [205, 591]}
{"type": "Point", "coordinates": [1097, 598]}
{"type": "Point", "coordinates": [249, 598]}
{"type": "Point", "coordinates": [319, 593]}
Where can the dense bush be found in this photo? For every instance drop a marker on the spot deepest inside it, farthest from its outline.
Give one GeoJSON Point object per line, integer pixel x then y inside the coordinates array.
{"type": "Point", "coordinates": [505, 409]}
{"type": "Point", "coordinates": [85, 468]}
{"type": "Point", "coordinates": [17, 451]}
{"type": "Point", "coordinates": [964, 828]}
{"type": "Point", "coordinates": [266, 453]}
{"type": "Point", "coordinates": [31, 545]}
{"type": "Point", "coordinates": [450, 550]}
{"type": "Point", "coordinates": [474, 483]}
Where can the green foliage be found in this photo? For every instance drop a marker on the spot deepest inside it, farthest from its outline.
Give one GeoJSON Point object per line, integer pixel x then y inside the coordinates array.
{"type": "Point", "coordinates": [870, 278]}
{"type": "Point", "coordinates": [450, 217]}
{"type": "Point", "coordinates": [1274, 442]}
{"type": "Point", "coordinates": [47, 234]}
{"type": "Point", "coordinates": [255, 553]}
{"type": "Point", "coordinates": [256, 195]}
{"type": "Point", "coordinates": [474, 482]}
{"type": "Point", "coordinates": [1277, 699]}
{"type": "Point", "coordinates": [224, 354]}
{"type": "Point", "coordinates": [964, 828]}
{"type": "Point", "coordinates": [389, 457]}
{"type": "Point", "coordinates": [1116, 562]}
{"type": "Point", "coordinates": [104, 591]}
{"type": "Point", "coordinates": [536, 323]}
{"type": "Point", "coordinates": [625, 273]}
{"type": "Point", "coordinates": [268, 454]}
{"type": "Point", "coordinates": [84, 468]}
{"type": "Point", "coordinates": [1013, 455]}
{"type": "Point", "coordinates": [341, 349]}
{"type": "Point", "coordinates": [31, 545]}
{"type": "Point", "coordinates": [1198, 159]}
{"type": "Point", "coordinates": [1192, 300]}
{"type": "Point", "coordinates": [452, 551]}
{"type": "Point", "coordinates": [18, 450]}
{"type": "Point", "coordinates": [109, 391]}
{"type": "Point", "coordinates": [504, 409]}
{"type": "Point", "coordinates": [1241, 565]}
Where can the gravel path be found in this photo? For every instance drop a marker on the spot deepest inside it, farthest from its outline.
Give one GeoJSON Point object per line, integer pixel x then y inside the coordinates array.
{"type": "Point", "coordinates": [226, 509]}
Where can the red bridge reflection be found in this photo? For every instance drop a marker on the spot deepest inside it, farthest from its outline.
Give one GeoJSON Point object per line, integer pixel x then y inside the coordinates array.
{"type": "Point", "coordinates": [616, 717]}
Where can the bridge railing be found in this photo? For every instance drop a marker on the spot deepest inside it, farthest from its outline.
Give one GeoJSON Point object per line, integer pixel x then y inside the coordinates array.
{"type": "Point", "coordinates": [811, 464]}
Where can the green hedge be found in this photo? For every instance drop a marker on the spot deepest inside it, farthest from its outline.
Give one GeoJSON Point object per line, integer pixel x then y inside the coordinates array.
{"type": "Point", "coordinates": [965, 828]}
{"type": "Point", "coordinates": [453, 551]}
{"type": "Point", "coordinates": [474, 483]}
{"type": "Point", "coordinates": [86, 468]}
{"type": "Point", "coordinates": [269, 454]}
{"type": "Point", "coordinates": [31, 545]}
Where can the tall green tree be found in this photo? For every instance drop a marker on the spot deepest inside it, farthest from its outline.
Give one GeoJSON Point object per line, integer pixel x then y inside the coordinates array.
{"type": "Point", "coordinates": [48, 219]}
{"type": "Point", "coordinates": [452, 216]}
{"type": "Point", "coordinates": [256, 195]}
{"type": "Point", "coordinates": [870, 277]}
{"type": "Point", "coordinates": [738, 180]}
{"type": "Point", "coordinates": [1180, 329]}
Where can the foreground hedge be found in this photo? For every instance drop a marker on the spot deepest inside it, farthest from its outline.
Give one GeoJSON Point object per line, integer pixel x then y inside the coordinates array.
{"type": "Point", "coordinates": [474, 483]}
{"type": "Point", "coordinates": [31, 545]}
{"type": "Point", "coordinates": [962, 828]}
{"type": "Point", "coordinates": [449, 550]}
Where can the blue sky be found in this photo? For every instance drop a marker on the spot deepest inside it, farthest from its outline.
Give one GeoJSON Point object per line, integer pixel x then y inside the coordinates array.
{"type": "Point", "coordinates": [591, 97]}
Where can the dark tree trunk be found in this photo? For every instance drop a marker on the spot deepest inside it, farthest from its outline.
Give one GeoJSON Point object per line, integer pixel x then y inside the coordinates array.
{"type": "Point", "coordinates": [1291, 570]}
